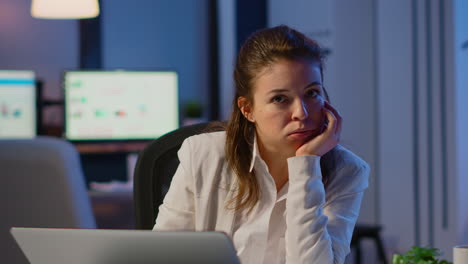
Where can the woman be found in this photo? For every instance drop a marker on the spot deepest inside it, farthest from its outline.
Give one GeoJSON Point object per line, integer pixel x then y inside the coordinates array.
{"type": "Point", "coordinates": [276, 181]}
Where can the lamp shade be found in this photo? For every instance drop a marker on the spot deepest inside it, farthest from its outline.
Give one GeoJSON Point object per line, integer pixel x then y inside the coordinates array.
{"type": "Point", "coordinates": [64, 9]}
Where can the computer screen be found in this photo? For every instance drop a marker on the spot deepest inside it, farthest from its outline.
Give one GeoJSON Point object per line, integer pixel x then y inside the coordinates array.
{"type": "Point", "coordinates": [17, 104]}
{"type": "Point", "coordinates": [120, 105]}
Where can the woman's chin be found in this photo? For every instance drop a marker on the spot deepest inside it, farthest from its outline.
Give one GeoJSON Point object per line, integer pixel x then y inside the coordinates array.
{"type": "Point", "coordinates": [296, 145]}
{"type": "Point", "coordinates": [299, 142]}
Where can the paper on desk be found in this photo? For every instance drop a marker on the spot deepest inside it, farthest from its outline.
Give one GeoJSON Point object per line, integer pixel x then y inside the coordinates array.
{"type": "Point", "coordinates": [113, 186]}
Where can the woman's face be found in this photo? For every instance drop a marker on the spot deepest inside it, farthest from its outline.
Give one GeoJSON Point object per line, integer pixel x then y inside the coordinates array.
{"type": "Point", "coordinates": [288, 98]}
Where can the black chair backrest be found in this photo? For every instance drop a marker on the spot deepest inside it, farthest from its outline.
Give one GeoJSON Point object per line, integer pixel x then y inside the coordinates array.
{"type": "Point", "coordinates": [155, 167]}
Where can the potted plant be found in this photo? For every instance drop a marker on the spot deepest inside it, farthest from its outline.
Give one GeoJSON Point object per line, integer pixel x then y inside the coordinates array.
{"type": "Point", "coordinates": [419, 255]}
{"type": "Point", "coordinates": [193, 113]}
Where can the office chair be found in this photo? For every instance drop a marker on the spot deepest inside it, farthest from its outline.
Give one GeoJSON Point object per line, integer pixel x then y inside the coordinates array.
{"type": "Point", "coordinates": [367, 231]}
{"type": "Point", "coordinates": [157, 164]}
{"type": "Point", "coordinates": [42, 185]}
{"type": "Point", "coordinates": [154, 169]}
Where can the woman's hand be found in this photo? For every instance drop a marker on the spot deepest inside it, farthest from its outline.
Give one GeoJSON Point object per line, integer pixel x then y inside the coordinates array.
{"type": "Point", "coordinates": [328, 139]}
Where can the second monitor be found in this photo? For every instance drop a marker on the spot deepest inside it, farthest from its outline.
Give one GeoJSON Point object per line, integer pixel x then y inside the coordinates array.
{"type": "Point", "coordinates": [18, 98]}
{"type": "Point", "coordinates": [120, 105]}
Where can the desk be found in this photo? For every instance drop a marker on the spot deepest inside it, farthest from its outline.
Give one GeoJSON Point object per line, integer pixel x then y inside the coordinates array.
{"type": "Point", "coordinates": [113, 210]}
{"type": "Point", "coordinates": [111, 147]}
{"type": "Point", "coordinates": [105, 162]}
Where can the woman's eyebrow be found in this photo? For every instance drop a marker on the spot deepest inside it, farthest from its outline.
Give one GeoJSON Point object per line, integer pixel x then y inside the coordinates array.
{"type": "Point", "coordinates": [313, 84]}
{"type": "Point", "coordinates": [278, 91]}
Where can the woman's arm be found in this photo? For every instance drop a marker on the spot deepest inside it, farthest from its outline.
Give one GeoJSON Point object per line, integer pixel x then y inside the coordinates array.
{"type": "Point", "coordinates": [319, 225]}
{"type": "Point", "coordinates": [178, 209]}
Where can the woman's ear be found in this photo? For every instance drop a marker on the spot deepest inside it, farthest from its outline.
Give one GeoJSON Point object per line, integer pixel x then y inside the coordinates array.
{"type": "Point", "coordinates": [245, 108]}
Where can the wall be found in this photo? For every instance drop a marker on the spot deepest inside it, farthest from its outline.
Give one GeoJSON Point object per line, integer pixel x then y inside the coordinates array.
{"type": "Point", "coordinates": [421, 119]}
{"type": "Point", "coordinates": [46, 46]}
{"type": "Point", "coordinates": [227, 54]}
{"type": "Point", "coordinates": [159, 34]}
{"type": "Point", "coordinates": [460, 47]}
{"type": "Point", "coordinates": [395, 108]}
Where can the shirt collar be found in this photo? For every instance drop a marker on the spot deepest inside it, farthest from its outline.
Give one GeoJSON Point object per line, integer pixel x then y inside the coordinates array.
{"type": "Point", "coordinates": [255, 157]}
{"type": "Point", "coordinates": [283, 193]}
{"type": "Point", "coordinates": [255, 153]}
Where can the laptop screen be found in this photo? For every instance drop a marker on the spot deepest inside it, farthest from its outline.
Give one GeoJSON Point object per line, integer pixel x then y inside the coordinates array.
{"type": "Point", "coordinates": [17, 104]}
{"type": "Point", "coordinates": [120, 105]}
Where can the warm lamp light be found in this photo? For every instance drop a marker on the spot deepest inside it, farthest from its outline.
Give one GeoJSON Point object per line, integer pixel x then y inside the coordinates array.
{"type": "Point", "coordinates": [64, 9]}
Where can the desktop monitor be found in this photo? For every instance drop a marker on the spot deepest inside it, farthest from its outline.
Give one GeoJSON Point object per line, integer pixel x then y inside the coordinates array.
{"type": "Point", "coordinates": [17, 104]}
{"type": "Point", "coordinates": [120, 105]}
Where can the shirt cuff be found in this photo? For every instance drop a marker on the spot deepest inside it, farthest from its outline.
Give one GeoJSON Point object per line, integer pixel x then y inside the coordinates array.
{"type": "Point", "coordinates": [304, 167]}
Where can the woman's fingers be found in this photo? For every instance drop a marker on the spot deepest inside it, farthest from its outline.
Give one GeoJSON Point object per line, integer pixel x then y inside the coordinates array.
{"type": "Point", "coordinates": [331, 126]}
{"type": "Point", "coordinates": [330, 136]}
{"type": "Point", "coordinates": [337, 117]}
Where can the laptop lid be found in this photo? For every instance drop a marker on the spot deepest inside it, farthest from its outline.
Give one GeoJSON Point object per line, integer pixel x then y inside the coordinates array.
{"type": "Point", "coordinates": [100, 246]}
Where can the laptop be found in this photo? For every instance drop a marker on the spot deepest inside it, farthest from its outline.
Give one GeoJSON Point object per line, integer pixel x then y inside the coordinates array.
{"type": "Point", "coordinates": [101, 246]}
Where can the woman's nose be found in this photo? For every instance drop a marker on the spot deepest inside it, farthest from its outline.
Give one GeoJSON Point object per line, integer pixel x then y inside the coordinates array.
{"type": "Point", "coordinates": [300, 111]}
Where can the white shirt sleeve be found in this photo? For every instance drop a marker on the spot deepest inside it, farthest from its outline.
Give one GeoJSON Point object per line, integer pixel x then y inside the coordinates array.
{"type": "Point", "coordinates": [177, 213]}
{"type": "Point", "coordinates": [319, 226]}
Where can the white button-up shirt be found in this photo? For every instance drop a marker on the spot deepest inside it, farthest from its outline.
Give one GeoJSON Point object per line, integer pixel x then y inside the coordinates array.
{"type": "Point", "coordinates": [260, 239]}
{"type": "Point", "coordinates": [305, 222]}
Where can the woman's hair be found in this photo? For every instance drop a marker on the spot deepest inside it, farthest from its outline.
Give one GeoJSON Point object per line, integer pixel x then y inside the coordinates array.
{"type": "Point", "coordinates": [262, 49]}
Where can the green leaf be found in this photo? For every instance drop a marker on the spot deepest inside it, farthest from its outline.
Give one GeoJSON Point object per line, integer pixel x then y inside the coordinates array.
{"type": "Point", "coordinates": [419, 255]}
{"type": "Point", "coordinates": [398, 259]}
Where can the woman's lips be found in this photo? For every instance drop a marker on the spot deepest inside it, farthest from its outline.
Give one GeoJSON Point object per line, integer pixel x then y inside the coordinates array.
{"type": "Point", "coordinates": [302, 134]}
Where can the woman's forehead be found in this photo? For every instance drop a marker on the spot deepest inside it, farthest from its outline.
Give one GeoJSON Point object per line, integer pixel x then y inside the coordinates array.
{"type": "Point", "coordinates": [288, 74]}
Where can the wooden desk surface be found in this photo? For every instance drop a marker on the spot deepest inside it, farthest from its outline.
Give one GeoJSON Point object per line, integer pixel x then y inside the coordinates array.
{"type": "Point", "coordinates": [114, 147]}
{"type": "Point", "coordinates": [113, 210]}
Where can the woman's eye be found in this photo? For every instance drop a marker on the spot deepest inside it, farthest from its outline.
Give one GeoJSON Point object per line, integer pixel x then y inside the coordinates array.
{"type": "Point", "coordinates": [279, 99]}
{"type": "Point", "coordinates": [312, 93]}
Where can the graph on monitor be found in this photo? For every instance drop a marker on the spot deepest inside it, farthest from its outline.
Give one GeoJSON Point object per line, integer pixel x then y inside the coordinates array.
{"type": "Point", "coordinates": [120, 105]}
{"type": "Point", "coordinates": [17, 104]}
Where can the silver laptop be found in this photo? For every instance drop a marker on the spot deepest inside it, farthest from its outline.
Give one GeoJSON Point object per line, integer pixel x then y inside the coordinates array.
{"type": "Point", "coordinates": [100, 246]}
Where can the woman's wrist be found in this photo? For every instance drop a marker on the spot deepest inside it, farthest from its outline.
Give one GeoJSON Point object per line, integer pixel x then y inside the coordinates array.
{"type": "Point", "coordinates": [305, 153]}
